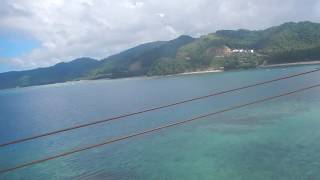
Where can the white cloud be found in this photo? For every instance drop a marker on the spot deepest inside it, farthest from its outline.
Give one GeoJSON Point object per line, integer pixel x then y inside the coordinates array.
{"type": "Point", "coordinates": [67, 29]}
{"type": "Point", "coordinates": [132, 5]}
{"type": "Point", "coordinates": [162, 15]}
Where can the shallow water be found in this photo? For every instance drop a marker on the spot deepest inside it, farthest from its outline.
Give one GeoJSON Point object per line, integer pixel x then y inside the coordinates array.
{"type": "Point", "coordinates": [273, 140]}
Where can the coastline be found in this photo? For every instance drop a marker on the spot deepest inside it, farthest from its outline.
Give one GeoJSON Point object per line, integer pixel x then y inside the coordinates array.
{"type": "Point", "coordinates": [172, 75]}
{"type": "Point", "coordinates": [186, 73]}
{"type": "Point", "coordinates": [290, 64]}
{"type": "Point", "coordinates": [202, 72]}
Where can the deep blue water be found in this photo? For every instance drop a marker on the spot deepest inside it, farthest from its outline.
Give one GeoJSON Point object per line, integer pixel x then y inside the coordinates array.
{"type": "Point", "coordinates": [279, 139]}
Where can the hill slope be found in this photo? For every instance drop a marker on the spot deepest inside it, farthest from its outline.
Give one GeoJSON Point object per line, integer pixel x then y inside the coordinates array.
{"type": "Point", "coordinates": [138, 60]}
{"type": "Point", "coordinates": [228, 49]}
{"type": "Point", "coordinates": [61, 72]}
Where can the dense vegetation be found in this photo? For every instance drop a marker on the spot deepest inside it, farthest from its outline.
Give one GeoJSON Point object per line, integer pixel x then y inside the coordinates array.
{"type": "Point", "coordinates": [290, 42]}
{"type": "Point", "coordinates": [138, 60]}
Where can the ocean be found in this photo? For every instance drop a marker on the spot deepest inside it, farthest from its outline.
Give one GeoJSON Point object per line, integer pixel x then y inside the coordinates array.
{"type": "Point", "coordinates": [278, 139]}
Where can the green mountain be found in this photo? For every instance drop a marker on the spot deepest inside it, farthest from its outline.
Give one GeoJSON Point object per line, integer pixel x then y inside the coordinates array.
{"type": "Point", "coordinates": [62, 72]}
{"type": "Point", "coordinates": [132, 62]}
{"type": "Point", "coordinates": [224, 49]}
{"type": "Point", "coordinates": [228, 49]}
{"type": "Point", "coordinates": [138, 61]}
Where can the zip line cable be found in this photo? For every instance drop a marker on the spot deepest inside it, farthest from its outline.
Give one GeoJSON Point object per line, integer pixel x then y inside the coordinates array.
{"type": "Point", "coordinates": [152, 130]}
{"type": "Point", "coordinates": [151, 109]}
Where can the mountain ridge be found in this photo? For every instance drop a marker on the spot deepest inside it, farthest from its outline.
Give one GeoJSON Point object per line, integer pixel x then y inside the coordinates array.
{"type": "Point", "coordinates": [224, 49]}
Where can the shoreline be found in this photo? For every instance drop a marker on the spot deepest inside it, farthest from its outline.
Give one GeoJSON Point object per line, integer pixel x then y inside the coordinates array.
{"type": "Point", "coordinates": [172, 75]}
{"type": "Point", "coordinates": [185, 73]}
{"type": "Point", "coordinates": [289, 64]}
{"type": "Point", "coordinates": [202, 72]}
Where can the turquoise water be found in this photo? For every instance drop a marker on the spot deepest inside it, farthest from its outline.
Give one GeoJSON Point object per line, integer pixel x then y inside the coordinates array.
{"type": "Point", "coordinates": [279, 139]}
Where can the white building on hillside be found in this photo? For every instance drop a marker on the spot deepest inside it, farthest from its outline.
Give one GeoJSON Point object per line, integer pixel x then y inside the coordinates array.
{"type": "Point", "coordinates": [243, 51]}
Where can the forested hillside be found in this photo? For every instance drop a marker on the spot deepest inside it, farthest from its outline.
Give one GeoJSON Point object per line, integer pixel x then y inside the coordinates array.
{"type": "Point", "coordinates": [228, 49]}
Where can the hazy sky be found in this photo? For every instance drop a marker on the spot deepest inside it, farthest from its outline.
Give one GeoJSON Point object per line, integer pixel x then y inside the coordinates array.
{"type": "Point", "coordinates": [35, 33]}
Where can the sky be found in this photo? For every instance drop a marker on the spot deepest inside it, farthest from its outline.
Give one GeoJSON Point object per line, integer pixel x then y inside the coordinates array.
{"type": "Point", "coordinates": [37, 33]}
